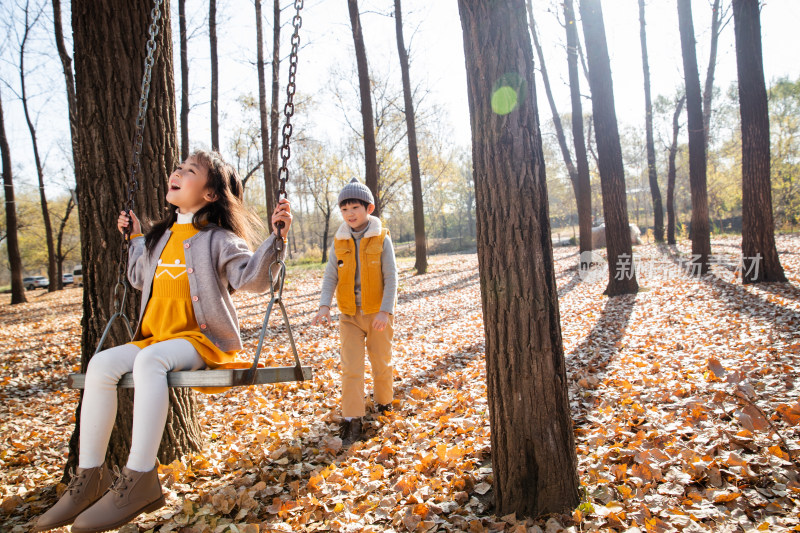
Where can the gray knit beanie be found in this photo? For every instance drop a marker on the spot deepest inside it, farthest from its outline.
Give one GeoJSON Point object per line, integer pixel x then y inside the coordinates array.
{"type": "Point", "coordinates": [355, 190]}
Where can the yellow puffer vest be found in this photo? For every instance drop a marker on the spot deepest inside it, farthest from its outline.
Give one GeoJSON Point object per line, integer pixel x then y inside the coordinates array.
{"type": "Point", "coordinates": [369, 256]}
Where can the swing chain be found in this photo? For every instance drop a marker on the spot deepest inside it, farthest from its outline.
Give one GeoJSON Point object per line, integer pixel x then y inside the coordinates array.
{"type": "Point", "coordinates": [288, 112]}
{"type": "Point", "coordinates": [138, 142]}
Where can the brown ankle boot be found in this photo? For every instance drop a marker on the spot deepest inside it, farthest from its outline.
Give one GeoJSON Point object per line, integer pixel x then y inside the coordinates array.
{"type": "Point", "coordinates": [86, 487]}
{"type": "Point", "coordinates": [131, 494]}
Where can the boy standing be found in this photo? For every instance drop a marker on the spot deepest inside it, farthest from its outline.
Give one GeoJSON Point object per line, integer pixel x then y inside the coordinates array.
{"type": "Point", "coordinates": [361, 268]}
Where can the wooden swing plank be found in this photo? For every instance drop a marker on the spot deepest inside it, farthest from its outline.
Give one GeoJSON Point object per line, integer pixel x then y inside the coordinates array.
{"type": "Point", "coordinates": [210, 378]}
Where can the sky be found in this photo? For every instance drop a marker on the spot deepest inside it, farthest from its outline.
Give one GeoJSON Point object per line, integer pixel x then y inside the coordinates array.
{"type": "Point", "coordinates": [433, 34]}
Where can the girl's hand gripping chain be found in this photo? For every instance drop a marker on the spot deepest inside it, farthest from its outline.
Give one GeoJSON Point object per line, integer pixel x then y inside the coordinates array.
{"type": "Point", "coordinates": [124, 221]}
{"type": "Point", "coordinates": [282, 213]}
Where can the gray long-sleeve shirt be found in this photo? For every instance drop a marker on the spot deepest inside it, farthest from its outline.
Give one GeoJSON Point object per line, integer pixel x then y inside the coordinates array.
{"type": "Point", "coordinates": [388, 267]}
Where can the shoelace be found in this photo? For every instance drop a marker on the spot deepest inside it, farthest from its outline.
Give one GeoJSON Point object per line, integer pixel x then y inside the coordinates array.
{"type": "Point", "coordinates": [119, 484]}
{"type": "Point", "coordinates": [75, 482]}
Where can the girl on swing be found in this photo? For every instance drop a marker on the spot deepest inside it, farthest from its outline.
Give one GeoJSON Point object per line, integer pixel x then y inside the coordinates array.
{"type": "Point", "coordinates": [184, 267]}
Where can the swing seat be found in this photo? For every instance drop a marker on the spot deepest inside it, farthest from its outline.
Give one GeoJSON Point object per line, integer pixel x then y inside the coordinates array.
{"type": "Point", "coordinates": [220, 377]}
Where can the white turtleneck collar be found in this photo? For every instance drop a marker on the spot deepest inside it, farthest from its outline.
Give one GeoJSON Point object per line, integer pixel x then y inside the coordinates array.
{"type": "Point", "coordinates": [184, 218]}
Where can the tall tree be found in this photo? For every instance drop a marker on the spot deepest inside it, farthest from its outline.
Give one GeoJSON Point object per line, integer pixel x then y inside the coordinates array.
{"type": "Point", "coordinates": [584, 215]}
{"type": "Point", "coordinates": [367, 120]}
{"type": "Point", "coordinates": [61, 254]}
{"type": "Point", "coordinates": [700, 232]}
{"type": "Point", "coordinates": [69, 78]}
{"type": "Point", "coordinates": [621, 273]}
{"type": "Point", "coordinates": [12, 239]}
{"type": "Point", "coordinates": [655, 192]}
{"type": "Point", "coordinates": [212, 39]}
{"type": "Point", "coordinates": [184, 40]}
{"type": "Point", "coordinates": [55, 282]}
{"type": "Point", "coordinates": [584, 190]}
{"type": "Point", "coordinates": [760, 257]}
{"type": "Point", "coordinates": [269, 186]}
{"type": "Point", "coordinates": [274, 113]}
{"type": "Point", "coordinates": [708, 89]}
{"type": "Point", "coordinates": [421, 252]}
{"type": "Point", "coordinates": [533, 450]}
{"type": "Point", "coordinates": [108, 113]}
{"type": "Point", "coordinates": [671, 171]}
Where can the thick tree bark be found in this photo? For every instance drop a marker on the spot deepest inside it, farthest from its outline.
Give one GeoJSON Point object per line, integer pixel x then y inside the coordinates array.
{"type": "Point", "coordinates": [12, 238]}
{"type": "Point", "coordinates": [212, 39]}
{"type": "Point", "coordinates": [367, 120]}
{"type": "Point", "coordinates": [421, 251]}
{"type": "Point", "coordinates": [184, 39]}
{"type": "Point", "coordinates": [108, 103]}
{"type": "Point", "coordinates": [584, 190]}
{"type": "Point", "coordinates": [655, 192]}
{"type": "Point", "coordinates": [533, 450]}
{"type": "Point", "coordinates": [671, 171]}
{"type": "Point", "coordinates": [269, 187]}
{"type": "Point", "coordinates": [621, 273]}
{"type": "Point", "coordinates": [760, 257]}
{"type": "Point", "coordinates": [700, 229]}
{"type": "Point", "coordinates": [55, 283]}
{"type": "Point", "coordinates": [708, 90]}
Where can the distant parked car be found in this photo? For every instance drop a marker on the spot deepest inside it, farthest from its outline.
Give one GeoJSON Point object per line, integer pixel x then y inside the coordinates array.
{"type": "Point", "coordinates": [34, 282]}
{"type": "Point", "coordinates": [77, 274]}
{"type": "Point", "coordinates": [67, 279]}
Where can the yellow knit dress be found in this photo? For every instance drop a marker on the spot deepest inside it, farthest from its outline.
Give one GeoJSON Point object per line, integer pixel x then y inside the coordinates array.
{"type": "Point", "coordinates": [169, 314]}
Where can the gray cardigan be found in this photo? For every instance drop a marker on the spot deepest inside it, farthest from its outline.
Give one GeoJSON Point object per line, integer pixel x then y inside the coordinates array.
{"type": "Point", "coordinates": [215, 259]}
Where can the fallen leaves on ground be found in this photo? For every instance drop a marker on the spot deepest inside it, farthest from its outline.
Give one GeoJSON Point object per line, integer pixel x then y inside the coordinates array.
{"type": "Point", "coordinates": [684, 397]}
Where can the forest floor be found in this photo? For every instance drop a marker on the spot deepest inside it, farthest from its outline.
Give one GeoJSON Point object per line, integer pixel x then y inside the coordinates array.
{"type": "Point", "coordinates": [684, 399]}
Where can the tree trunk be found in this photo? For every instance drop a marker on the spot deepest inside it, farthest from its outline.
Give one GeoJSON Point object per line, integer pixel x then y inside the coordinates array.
{"type": "Point", "coordinates": [59, 240]}
{"type": "Point", "coordinates": [533, 451]}
{"type": "Point", "coordinates": [108, 103]}
{"type": "Point", "coordinates": [327, 215]}
{"type": "Point", "coordinates": [708, 90]}
{"type": "Point", "coordinates": [12, 239]}
{"type": "Point", "coordinates": [655, 192]}
{"type": "Point", "coordinates": [184, 39]}
{"type": "Point", "coordinates": [69, 78]}
{"type": "Point", "coordinates": [269, 187]}
{"type": "Point", "coordinates": [584, 191]}
{"type": "Point", "coordinates": [700, 231]}
{"type": "Point", "coordinates": [212, 38]}
{"type": "Point", "coordinates": [673, 150]}
{"type": "Point", "coordinates": [421, 252]}
{"type": "Point", "coordinates": [274, 114]}
{"type": "Point", "coordinates": [55, 284]}
{"type": "Point", "coordinates": [367, 120]}
{"type": "Point", "coordinates": [760, 257]}
{"type": "Point", "coordinates": [621, 274]}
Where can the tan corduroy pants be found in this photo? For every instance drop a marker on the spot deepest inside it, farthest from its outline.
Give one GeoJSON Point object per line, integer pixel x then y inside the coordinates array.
{"type": "Point", "coordinates": [356, 331]}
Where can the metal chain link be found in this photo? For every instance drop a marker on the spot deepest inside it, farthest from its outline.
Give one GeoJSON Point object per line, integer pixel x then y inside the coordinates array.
{"type": "Point", "coordinates": [288, 109]}
{"type": "Point", "coordinates": [138, 142]}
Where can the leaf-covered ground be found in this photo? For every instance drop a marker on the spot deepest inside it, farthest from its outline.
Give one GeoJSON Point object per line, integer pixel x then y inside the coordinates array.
{"type": "Point", "coordinates": [684, 397]}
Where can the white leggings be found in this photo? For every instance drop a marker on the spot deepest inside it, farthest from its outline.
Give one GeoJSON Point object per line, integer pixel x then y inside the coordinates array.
{"type": "Point", "coordinates": [150, 403]}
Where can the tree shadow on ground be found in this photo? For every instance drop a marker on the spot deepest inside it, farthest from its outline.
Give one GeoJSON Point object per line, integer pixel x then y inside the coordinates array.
{"type": "Point", "coordinates": [600, 346]}
{"type": "Point", "coordinates": [738, 299]}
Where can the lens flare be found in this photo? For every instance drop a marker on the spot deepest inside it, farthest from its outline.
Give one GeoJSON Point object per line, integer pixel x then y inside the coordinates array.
{"type": "Point", "coordinates": [508, 93]}
{"type": "Point", "coordinates": [504, 100]}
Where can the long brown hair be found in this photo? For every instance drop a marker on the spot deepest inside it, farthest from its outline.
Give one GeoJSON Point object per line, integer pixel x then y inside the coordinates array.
{"type": "Point", "coordinates": [227, 211]}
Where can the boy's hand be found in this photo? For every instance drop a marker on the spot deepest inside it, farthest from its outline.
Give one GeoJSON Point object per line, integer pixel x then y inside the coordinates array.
{"type": "Point", "coordinates": [124, 220]}
{"type": "Point", "coordinates": [283, 213]}
{"type": "Point", "coordinates": [381, 319]}
{"type": "Point", "coordinates": [323, 316]}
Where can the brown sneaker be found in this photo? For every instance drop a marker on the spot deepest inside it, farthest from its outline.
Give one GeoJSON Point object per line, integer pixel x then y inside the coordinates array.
{"type": "Point", "coordinates": [85, 487]}
{"type": "Point", "coordinates": [131, 494]}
